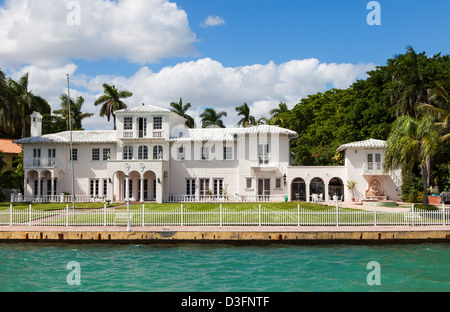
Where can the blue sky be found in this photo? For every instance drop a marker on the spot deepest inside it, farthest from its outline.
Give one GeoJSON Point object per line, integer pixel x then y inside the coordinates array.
{"type": "Point", "coordinates": [261, 51]}
{"type": "Point", "coordinates": [258, 31]}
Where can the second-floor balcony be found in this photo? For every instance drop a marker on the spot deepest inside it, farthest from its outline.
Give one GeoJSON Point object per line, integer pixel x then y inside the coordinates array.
{"type": "Point", "coordinates": [142, 134]}
{"type": "Point", "coordinates": [373, 168]}
{"type": "Point", "coordinates": [40, 162]}
{"type": "Point", "coordinates": [263, 163]}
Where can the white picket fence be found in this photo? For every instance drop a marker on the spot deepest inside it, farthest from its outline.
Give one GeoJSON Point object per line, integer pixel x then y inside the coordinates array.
{"type": "Point", "coordinates": [220, 216]}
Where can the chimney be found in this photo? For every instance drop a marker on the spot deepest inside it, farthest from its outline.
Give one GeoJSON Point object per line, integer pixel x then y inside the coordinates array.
{"type": "Point", "coordinates": [36, 124]}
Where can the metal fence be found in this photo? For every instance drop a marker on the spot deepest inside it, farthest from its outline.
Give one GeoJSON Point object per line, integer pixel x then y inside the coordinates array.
{"type": "Point", "coordinates": [220, 216]}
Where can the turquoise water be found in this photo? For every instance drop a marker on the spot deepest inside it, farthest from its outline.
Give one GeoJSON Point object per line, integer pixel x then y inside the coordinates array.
{"type": "Point", "coordinates": [224, 268]}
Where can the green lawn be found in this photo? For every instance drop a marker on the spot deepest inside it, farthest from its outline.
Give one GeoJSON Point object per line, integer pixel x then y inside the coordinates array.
{"type": "Point", "coordinates": [201, 213]}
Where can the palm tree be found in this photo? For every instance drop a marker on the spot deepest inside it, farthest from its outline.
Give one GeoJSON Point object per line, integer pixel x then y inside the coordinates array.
{"type": "Point", "coordinates": [5, 104]}
{"type": "Point", "coordinates": [276, 113]}
{"type": "Point", "coordinates": [111, 101]}
{"type": "Point", "coordinates": [439, 106]}
{"type": "Point", "coordinates": [407, 87]}
{"type": "Point", "coordinates": [412, 141]}
{"type": "Point", "coordinates": [181, 110]}
{"type": "Point", "coordinates": [210, 118]}
{"type": "Point", "coordinates": [25, 102]}
{"type": "Point", "coordinates": [247, 119]}
{"type": "Point", "coordinates": [75, 111]}
{"type": "Point", "coordinates": [265, 121]}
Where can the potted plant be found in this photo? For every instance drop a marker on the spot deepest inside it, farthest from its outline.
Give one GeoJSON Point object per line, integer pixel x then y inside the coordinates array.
{"type": "Point", "coordinates": [351, 186]}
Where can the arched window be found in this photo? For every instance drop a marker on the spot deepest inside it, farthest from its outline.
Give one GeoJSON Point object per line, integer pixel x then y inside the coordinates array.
{"type": "Point", "coordinates": [157, 152]}
{"type": "Point", "coordinates": [128, 152]}
{"type": "Point", "coordinates": [143, 152]}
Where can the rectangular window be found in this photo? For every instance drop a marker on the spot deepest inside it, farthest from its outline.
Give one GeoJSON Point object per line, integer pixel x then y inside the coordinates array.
{"type": "Point", "coordinates": [106, 154]}
{"type": "Point", "coordinates": [205, 153]}
{"type": "Point", "coordinates": [249, 183]}
{"type": "Point", "coordinates": [263, 153]}
{"type": "Point", "coordinates": [228, 153]}
{"type": "Point", "coordinates": [204, 187]}
{"type": "Point", "coordinates": [190, 187]}
{"type": "Point", "coordinates": [36, 157]}
{"type": "Point", "coordinates": [374, 161]}
{"type": "Point", "coordinates": [105, 187]}
{"type": "Point", "coordinates": [278, 183]}
{"type": "Point", "coordinates": [51, 157]}
{"type": "Point", "coordinates": [74, 154]}
{"type": "Point", "coordinates": [95, 154]}
{"type": "Point", "coordinates": [128, 123]}
{"type": "Point", "coordinates": [94, 187]}
{"type": "Point", "coordinates": [142, 127]}
{"type": "Point", "coordinates": [218, 187]}
{"type": "Point", "coordinates": [128, 152]}
{"type": "Point", "coordinates": [157, 123]}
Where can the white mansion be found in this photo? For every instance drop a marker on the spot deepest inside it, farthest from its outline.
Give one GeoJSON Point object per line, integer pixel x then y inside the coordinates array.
{"type": "Point", "coordinates": [168, 162]}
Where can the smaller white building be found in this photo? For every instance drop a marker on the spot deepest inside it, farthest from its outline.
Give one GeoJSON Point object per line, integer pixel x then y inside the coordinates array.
{"type": "Point", "coordinates": [166, 161]}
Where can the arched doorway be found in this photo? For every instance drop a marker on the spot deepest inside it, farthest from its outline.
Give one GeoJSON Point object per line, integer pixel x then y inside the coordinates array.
{"type": "Point", "coordinates": [336, 187]}
{"type": "Point", "coordinates": [32, 186]}
{"type": "Point", "coordinates": [298, 188]}
{"type": "Point", "coordinates": [149, 186]}
{"type": "Point", "coordinates": [316, 186]}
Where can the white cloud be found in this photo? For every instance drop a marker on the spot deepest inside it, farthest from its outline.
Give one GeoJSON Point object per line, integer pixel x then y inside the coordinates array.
{"type": "Point", "coordinates": [213, 20]}
{"type": "Point", "coordinates": [141, 31]}
{"type": "Point", "coordinates": [204, 83]}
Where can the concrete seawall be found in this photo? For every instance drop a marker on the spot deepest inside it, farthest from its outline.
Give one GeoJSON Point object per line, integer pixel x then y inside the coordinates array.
{"type": "Point", "coordinates": [250, 234]}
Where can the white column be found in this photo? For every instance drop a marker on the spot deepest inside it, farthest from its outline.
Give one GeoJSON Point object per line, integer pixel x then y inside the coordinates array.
{"type": "Point", "coordinates": [25, 185]}
{"type": "Point", "coordinates": [142, 189]}
{"type": "Point", "coordinates": [308, 198]}
{"type": "Point", "coordinates": [53, 186]}
{"type": "Point", "coordinates": [159, 189]}
{"type": "Point", "coordinates": [39, 184]}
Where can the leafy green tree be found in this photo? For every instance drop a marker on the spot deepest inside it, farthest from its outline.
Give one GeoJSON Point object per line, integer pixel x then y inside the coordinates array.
{"type": "Point", "coordinates": [181, 110]}
{"type": "Point", "coordinates": [111, 101]}
{"type": "Point", "coordinates": [77, 115]}
{"type": "Point", "coordinates": [211, 118]}
{"type": "Point", "coordinates": [247, 119]}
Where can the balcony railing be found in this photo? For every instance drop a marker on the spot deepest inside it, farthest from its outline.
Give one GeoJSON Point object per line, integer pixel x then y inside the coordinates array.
{"type": "Point", "coordinates": [373, 168]}
{"type": "Point", "coordinates": [131, 134]}
{"type": "Point", "coordinates": [40, 163]}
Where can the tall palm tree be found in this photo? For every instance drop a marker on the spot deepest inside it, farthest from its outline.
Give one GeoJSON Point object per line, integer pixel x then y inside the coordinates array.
{"type": "Point", "coordinates": [411, 142]}
{"type": "Point", "coordinates": [25, 102]}
{"type": "Point", "coordinates": [75, 111]}
{"type": "Point", "coordinates": [5, 104]}
{"type": "Point", "coordinates": [111, 101]}
{"type": "Point", "coordinates": [247, 119]}
{"type": "Point", "coordinates": [276, 113]}
{"type": "Point", "coordinates": [407, 87]}
{"type": "Point", "coordinates": [181, 110]}
{"type": "Point", "coordinates": [439, 107]}
{"type": "Point", "coordinates": [210, 118]}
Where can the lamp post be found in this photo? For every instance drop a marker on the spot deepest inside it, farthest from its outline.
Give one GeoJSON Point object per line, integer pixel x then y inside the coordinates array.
{"type": "Point", "coordinates": [127, 194]}
{"type": "Point", "coordinates": [71, 147]}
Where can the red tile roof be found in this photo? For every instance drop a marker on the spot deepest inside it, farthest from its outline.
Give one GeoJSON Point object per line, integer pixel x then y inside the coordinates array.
{"type": "Point", "coordinates": [8, 147]}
